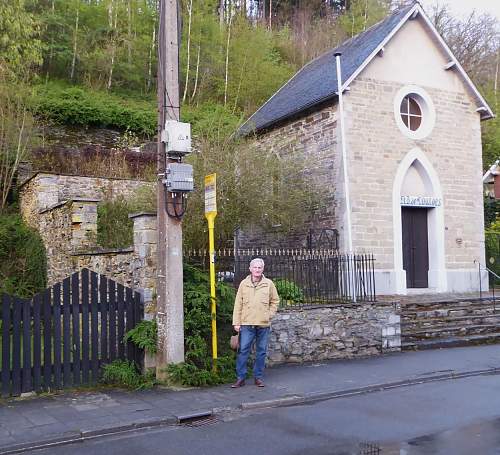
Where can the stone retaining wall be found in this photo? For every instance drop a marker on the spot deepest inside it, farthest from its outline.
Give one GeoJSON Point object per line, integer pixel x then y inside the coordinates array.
{"type": "Point", "coordinates": [334, 332]}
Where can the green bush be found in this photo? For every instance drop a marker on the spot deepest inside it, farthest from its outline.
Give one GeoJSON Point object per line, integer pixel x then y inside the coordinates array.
{"type": "Point", "coordinates": [23, 264]}
{"type": "Point", "coordinates": [192, 375]}
{"type": "Point", "coordinates": [144, 335]}
{"type": "Point", "coordinates": [491, 210]}
{"type": "Point", "coordinates": [197, 370]}
{"type": "Point", "coordinates": [114, 228]}
{"type": "Point", "coordinates": [79, 106]}
{"type": "Point", "coordinates": [123, 373]}
{"type": "Point", "coordinates": [289, 292]}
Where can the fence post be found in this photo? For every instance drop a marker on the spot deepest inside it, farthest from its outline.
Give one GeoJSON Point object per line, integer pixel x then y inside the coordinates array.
{"type": "Point", "coordinates": [6, 360]}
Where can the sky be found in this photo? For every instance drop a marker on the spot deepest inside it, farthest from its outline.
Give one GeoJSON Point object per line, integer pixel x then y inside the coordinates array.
{"type": "Point", "coordinates": [462, 8]}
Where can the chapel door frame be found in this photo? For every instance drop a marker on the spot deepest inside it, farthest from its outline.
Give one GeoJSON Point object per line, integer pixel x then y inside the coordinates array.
{"type": "Point", "coordinates": [436, 229]}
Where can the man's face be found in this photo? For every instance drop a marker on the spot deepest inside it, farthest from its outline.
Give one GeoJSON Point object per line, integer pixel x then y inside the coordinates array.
{"type": "Point", "coordinates": [256, 270]}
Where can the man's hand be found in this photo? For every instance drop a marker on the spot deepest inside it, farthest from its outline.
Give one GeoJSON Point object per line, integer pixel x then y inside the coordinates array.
{"type": "Point", "coordinates": [236, 328]}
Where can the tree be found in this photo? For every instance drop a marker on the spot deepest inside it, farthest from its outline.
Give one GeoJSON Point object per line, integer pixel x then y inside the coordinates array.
{"type": "Point", "coordinates": [20, 46]}
{"type": "Point", "coordinates": [255, 186]}
{"type": "Point", "coordinates": [362, 14]}
{"type": "Point", "coordinates": [20, 53]}
{"type": "Point", "coordinates": [475, 42]}
{"type": "Point", "coordinates": [16, 135]}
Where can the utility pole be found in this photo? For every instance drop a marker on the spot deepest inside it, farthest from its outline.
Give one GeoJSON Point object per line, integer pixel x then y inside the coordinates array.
{"type": "Point", "coordinates": [170, 316]}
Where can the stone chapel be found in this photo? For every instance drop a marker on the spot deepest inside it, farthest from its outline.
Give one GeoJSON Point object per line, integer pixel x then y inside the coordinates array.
{"type": "Point", "coordinates": [411, 119]}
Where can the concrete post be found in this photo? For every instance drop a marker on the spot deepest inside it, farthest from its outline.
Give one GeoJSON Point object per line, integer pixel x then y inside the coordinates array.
{"type": "Point", "coordinates": [145, 266]}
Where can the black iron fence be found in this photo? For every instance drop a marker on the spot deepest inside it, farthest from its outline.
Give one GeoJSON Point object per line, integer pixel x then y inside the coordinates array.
{"type": "Point", "coordinates": [63, 336]}
{"type": "Point", "coordinates": [302, 277]}
{"type": "Point", "coordinates": [492, 247]}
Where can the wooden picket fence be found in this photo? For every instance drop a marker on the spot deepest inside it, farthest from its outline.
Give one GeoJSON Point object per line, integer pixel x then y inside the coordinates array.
{"type": "Point", "coordinates": [62, 336]}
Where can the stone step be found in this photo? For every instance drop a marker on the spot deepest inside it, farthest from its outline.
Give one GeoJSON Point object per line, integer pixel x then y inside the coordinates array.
{"type": "Point", "coordinates": [410, 324]}
{"type": "Point", "coordinates": [450, 311]}
{"type": "Point", "coordinates": [449, 342]}
{"type": "Point", "coordinates": [437, 304]}
{"type": "Point", "coordinates": [450, 331]}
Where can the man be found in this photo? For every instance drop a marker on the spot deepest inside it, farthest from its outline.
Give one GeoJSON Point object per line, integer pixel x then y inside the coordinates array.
{"type": "Point", "coordinates": [256, 303]}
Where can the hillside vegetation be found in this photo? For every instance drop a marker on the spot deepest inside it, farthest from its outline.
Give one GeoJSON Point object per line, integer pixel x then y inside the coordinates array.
{"type": "Point", "coordinates": [91, 63]}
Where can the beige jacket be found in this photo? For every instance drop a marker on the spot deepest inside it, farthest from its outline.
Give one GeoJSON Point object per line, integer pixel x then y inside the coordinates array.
{"type": "Point", "coordinates": [255, 305]}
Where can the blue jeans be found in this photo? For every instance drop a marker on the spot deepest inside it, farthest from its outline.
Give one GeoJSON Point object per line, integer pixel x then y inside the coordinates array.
{"type": "Point", "coordinates": [249, 333]}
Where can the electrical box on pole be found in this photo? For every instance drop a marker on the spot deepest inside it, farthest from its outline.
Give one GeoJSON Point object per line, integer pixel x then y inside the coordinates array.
{"type": "Point", "coordinates": [177, 137]}
{"type": "Point", "coordinates": [179, 178]}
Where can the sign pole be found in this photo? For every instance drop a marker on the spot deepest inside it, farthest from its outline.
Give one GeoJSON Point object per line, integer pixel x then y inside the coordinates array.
{"type": "Point", "coordinates": [210, 214]}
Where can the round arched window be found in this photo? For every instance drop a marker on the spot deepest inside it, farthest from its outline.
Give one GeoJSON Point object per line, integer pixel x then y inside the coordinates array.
{"type": "Point", "coordinates": [411, 114]}
{"type": "Point", "coordinates": [414, 112]}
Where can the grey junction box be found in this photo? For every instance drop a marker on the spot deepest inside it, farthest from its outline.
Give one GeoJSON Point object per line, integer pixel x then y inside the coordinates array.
{"type": "Point", "coordinates": [179, 178]}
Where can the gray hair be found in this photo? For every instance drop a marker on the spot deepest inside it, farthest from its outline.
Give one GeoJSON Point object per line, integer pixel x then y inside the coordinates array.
{"type": "Point", "coordinates": [257, 260]}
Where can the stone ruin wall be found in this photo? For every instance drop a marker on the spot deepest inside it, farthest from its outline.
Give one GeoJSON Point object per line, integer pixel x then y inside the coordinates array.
{"type": "Point", "coordinates": [43, 190]}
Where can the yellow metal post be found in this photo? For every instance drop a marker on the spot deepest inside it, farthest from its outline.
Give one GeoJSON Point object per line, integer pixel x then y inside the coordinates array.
{"type": "Point", "coordinates": [211, 243]}
{"type": "Point", "coordinates": [210, 214]}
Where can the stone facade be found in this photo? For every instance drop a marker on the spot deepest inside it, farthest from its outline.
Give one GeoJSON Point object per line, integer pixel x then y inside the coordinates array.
{"type": "Point", "coordinates": [67, 228]}
{"type": "Point", "coordinates": [314, 139]}
{"type": "Point", "coordinates": [334, 332]}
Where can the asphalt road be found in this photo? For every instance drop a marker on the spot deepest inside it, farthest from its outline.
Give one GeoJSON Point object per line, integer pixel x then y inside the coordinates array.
{"type": "Point", "coordinates": [451, 417]}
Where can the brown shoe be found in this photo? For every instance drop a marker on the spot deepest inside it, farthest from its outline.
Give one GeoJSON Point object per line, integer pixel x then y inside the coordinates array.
{"type": "Point", "coordinates": [259, 382]}
{"type": "Point", "coordinates": [239, 383]}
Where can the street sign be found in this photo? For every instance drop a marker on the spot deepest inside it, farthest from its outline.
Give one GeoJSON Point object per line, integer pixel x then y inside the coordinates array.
{"type": "Point", "coordinates": [210, 194]}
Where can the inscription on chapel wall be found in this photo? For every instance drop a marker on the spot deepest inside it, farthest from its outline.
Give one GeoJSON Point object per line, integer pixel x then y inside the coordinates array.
{"type": "Point", "coordinates": [421, 201]}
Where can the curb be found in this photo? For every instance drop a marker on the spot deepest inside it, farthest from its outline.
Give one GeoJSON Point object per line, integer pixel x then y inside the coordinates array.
{"type": "Point", "coordinates": [292, 400]}
{"type": "Point", "coordinates": [323, 396]}
{"type": "Point", "coordinates": [86, 435]}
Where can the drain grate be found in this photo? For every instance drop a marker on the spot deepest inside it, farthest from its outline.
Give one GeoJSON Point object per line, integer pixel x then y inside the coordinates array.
{"type": "Point", "coordinates": [201, 421]}
{"type": "Point", "coordinates": [368, 448]}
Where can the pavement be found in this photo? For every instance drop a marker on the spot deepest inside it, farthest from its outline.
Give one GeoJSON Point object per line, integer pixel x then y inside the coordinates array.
{"type": "Point", "coordinates": [66, 417]}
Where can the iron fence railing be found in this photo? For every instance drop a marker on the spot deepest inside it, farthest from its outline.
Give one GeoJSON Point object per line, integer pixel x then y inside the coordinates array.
{"type": "Point", "coordinates": [488, 288]}
{"type": "Point", "coordinates": [302, 277]}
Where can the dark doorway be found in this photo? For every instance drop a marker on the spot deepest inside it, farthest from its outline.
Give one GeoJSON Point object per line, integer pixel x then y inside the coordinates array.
{"type": "Point", "coordinates": [415, 247]}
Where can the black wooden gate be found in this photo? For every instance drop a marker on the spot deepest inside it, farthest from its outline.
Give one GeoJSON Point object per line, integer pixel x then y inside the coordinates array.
{"type": "Point", "coordinates": [62, 336]}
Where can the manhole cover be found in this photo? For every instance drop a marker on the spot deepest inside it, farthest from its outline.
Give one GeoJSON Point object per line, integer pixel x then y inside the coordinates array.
{"type": "Point", "coordinates": [368, 448]}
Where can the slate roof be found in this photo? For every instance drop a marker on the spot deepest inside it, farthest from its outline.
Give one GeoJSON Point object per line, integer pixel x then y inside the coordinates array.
{"type": "Point", "coordinates": [317, 81]}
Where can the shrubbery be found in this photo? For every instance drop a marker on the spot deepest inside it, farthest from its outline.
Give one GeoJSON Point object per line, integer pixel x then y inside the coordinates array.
{"type": "Point", "coordinates": [290, 293]}
{"type": "Point", "coordinates": [124, 373]}
{"type": "Point", "coordinates": [23, 269]}
{"type": "Point", "coordinates": [78, 106]}
{"type": "Point", "coordinates": [197, 369]}
{"type": "Point", "coordinates": [114, 228]}
{"type": "Point", "coordinates": [96, 162]}
{"type": "Point", "coordinates": [144, 335]}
